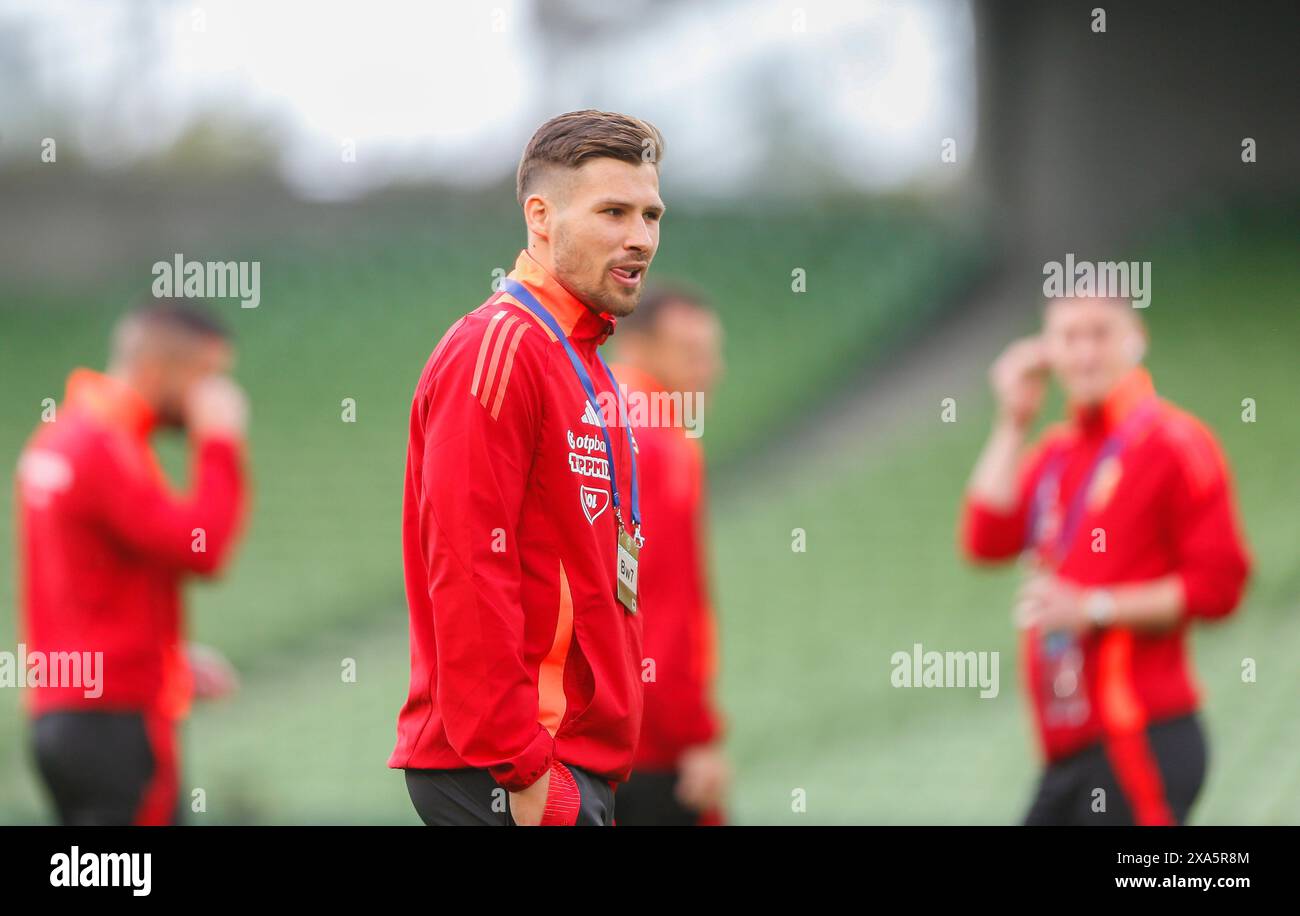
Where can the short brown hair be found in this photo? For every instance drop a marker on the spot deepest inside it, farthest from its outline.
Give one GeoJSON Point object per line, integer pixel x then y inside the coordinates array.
{"type": "Point", "coordinates": [570, 139]}
{"type": "Point", "coordinates": [170, 319]}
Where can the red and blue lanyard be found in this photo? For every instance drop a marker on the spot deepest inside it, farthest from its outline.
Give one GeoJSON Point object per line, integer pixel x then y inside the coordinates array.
{"type": "Point", "coordinates": [1049, 485]}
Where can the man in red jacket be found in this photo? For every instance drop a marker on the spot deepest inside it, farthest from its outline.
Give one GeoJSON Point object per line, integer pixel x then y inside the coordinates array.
{"type": "Point", "coordinates": [670, 357]}
{"type": "Point", "coordinates": [104, 546]}
{"type": "Point", "coordinates": [1125, 517]}
{"type": "Point", "coordinates": [521, 522]}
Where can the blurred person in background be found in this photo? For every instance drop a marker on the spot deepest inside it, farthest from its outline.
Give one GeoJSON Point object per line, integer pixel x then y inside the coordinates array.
{"type": "Point", "coordinates": [670, 357]}
{"type": "Point", "coordinates": [521, 520]}
{"type": "Point", "coordinates": [1126, 519]}
{"type": "Point", "coordinates": [104, 546]}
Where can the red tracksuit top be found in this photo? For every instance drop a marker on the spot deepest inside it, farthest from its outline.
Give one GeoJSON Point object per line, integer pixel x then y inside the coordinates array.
{"type": "Point", "coordinates": [105, 544]}
{"type": "Point", "coordinates": [1165, 506]}
{"type": "Point", "coordinates": [521, 653]}
{"type": "Point", "coordinates": [679, 627]}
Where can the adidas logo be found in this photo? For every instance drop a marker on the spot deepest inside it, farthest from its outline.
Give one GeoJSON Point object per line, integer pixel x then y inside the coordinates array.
{"type": "Point", "coordinates": [589, 415]}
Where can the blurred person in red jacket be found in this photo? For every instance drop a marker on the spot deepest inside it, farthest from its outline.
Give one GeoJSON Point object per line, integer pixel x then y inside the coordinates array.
{"type": "Point", "coordinates": [1125, 517]}
{"type": "Point", "coordinates": [670, 357]}
{"type": "Point", "coordinates": [104, 546]}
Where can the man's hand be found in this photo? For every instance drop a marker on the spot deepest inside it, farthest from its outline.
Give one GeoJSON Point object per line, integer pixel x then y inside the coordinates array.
{"type": "Point", "coordinates": [703, 777]}
{"type": "Point", "coordinates": [216, 407]}
{"type": "Point", "coordinates": [1019, 380]}
{"type": "Point", "coordinates": [1052, 605]}
{"type": "Point", "coordinates": [528, 805]}
{"type": "Point", "coordinates": [213, 676]}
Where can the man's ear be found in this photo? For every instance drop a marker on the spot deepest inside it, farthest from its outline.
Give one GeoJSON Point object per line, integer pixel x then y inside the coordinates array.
{"type": "Point", "coordinates": [537, 215]}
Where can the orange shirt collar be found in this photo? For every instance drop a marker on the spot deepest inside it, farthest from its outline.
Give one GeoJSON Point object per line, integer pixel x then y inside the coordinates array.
{"type": "Point", "coordinates": [578, 321]}
{"type": "Point", "coordinates": [112, 401]}
{"type": "Point", "coordinates": [1131, 390]}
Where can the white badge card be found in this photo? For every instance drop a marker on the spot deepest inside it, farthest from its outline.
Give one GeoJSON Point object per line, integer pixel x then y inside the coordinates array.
{"type": "Point", "coordinates": [627, 558]}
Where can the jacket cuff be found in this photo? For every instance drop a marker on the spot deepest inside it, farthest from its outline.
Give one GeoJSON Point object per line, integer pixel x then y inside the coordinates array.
{"type": "Point", "coordinates": [989, 533]}
{"type": "Point", "coordinates": [231, 443]}
{"type": "Point", "coordinates": [704, 728]}
{"type": "Point", "coordinates": [1207, 599]}
{"type": "Point", "coordinates": [528, 766]}
{"type": "Point", "coordinates": [562, 798]}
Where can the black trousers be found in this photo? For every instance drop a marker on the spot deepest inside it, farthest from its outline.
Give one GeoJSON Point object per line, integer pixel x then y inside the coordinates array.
{"type": "Point", "coordinates": [472, 798]}
{"type": "Point", "coordinates": [649, 799]}
{"type": "Point", "coordinates": [96, 766]}
{"type": "Point", "coordinates": [1086, 788]}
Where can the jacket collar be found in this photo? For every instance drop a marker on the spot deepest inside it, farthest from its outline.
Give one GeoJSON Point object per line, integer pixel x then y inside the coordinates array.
{"type": "Point", "coordinates": [111, 401]}
{"type": "Point", "coordinates": [577, 320]}
{"type": "Point", "coordinates": [1131, 391]}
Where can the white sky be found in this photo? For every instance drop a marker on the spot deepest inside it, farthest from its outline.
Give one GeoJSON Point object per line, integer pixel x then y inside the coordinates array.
{"type": "Point", "coordinates": [452, 90]}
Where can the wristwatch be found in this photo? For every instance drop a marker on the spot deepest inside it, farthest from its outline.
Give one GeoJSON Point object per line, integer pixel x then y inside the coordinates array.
{"type": "Point", "coordinates": [1099, 605]}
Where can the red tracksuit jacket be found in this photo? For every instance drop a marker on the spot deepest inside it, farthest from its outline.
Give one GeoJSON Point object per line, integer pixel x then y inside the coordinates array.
{"type": "Point", "coordinates": [521, 653]}
{"type": "Point", "coordinates": [104, 546]}
{"type": "Point", "coordinates": [1165, 505]}
{"type": "Point", "coordinates": [679, 628]}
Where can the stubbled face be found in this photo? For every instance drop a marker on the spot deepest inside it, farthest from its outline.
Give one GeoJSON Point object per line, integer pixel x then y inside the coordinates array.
{"type": "Point", "coordinates": [685, 348]}
{"type": "Point", "coordinates": [604, 231]}
{"type": "Point", "coordinates": [1091, 344]}
{"type": "Point", "coordinates": [176, 370]}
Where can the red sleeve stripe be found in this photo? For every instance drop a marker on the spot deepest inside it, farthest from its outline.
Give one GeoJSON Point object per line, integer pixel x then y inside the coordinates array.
{"type": "Point", "coordinates": [505, 370]}
{"type": "Point", "coordinates": [483, 348]}
{"type": "Point", "coordinates": [489, 377]}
